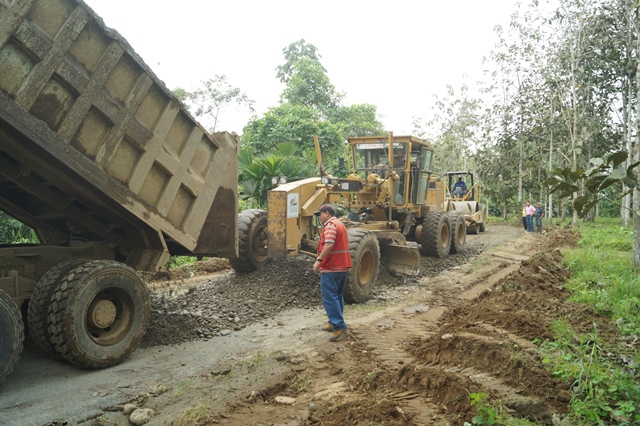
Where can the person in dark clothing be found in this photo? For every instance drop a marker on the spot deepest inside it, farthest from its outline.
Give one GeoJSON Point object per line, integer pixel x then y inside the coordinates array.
{"type": "Point", "coordinates": [538, 215]}
{"type": "Point", "coordinates": [459, 188]}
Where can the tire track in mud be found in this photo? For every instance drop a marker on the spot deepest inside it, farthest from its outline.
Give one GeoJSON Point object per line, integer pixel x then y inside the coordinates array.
{"type": "Point", "coordinates": [423, 386]}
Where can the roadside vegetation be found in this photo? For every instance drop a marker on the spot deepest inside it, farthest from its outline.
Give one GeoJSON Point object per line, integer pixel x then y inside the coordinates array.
{"type": "Point", "coordinates": [603, 369]}
{"type": "Point", "coordinates": [13, 231]}
{"type": "Point", "coordinates": [600, 367]}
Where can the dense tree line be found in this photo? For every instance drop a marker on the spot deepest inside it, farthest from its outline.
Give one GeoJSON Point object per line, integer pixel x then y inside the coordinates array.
{"type": "Point", "coordinates": [556, 117]}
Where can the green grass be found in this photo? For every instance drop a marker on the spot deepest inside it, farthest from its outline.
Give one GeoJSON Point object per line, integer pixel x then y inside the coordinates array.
{"type": "Point", "coordinates": [178, 261]}
{"type": "Point", "coordinates": [200, 414]}
{"type": "Point", "coordinates": [182, 388]}
{"type": "Point", "coordinates": [602, 375]}
{"type": "Point", "coordinates": [603, 274]}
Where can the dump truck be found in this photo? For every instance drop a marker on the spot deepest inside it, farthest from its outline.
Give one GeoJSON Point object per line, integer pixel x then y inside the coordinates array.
{"type": "Point", "coordinates": [392, 207]}
{"type": "Point", "coordinates": [469, 203]}
{"type": "Point", "coordinates": [112, 173]}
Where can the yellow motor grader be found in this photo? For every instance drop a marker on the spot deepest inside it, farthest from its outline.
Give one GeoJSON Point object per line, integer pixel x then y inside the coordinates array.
{"type": "Point", "coordinates": [392, 207]}
{"type": "Point", "coordinates": [467, 201]}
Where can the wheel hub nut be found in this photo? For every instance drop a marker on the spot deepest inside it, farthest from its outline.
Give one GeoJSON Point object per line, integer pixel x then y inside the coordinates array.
{"type": "Point", "coordinates": [102, 313]}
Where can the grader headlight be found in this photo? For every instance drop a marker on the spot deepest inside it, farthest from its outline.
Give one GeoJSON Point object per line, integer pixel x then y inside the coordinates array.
{"type": "Point", "coordinates": [278, 180]}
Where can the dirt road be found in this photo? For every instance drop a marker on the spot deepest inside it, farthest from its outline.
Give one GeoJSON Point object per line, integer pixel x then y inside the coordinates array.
{"type": "Point", "coordinates": [414, 355]}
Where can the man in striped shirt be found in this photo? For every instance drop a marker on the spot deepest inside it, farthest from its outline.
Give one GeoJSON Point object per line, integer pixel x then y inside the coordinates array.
{"type": "Point", "coordinates": [333, 263]}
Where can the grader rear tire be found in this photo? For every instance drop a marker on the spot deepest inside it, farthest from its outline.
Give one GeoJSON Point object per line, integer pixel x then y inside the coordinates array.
{"type": "Point", "coordinates": [39, 303]}
{"type": "Point", "coordinates": [365, 257]}
{"type": "Point", "coordinates": [252, 241]}
{"type": "Point", "coordinates": [459, 232]}
{"type": "Point", "coordinates": [436, 234]}
{"type": "Point", "coordinates": [98, 314]}
{"type": "Point", "coordinates": [11, 335]}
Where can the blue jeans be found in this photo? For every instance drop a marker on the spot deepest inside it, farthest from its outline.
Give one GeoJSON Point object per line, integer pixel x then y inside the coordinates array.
{"type": "Point", "coordinates": [332, 287]}
{"type": "Point", "coordinates": [529, 223]}
{"type": "Point", "coordinates": [539, 224]}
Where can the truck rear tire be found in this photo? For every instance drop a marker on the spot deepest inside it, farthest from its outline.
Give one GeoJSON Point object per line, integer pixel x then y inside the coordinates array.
{"type": "Point", "coordinates": [365, 257]}
{"type": "Point", "coordinates": [98, 314]}
{"type": "Point", "coordinates": [39, 303]}
{"type": "Point", "coordinates": [11, 335]}
{"type": "Point", "coordinates": [252, 241]}
{"type": "Point", "coordinates": [436, 234]}
{"type": "Point", "coordinates": [459, 232]}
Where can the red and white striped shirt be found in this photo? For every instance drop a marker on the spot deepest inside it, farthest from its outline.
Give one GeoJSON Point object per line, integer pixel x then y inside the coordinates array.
{"type": "Point", "coordinates": [339, 260]}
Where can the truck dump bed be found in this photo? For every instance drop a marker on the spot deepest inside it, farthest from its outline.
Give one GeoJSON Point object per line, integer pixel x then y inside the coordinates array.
{"type": "Point", "coordinates": [94, 147]}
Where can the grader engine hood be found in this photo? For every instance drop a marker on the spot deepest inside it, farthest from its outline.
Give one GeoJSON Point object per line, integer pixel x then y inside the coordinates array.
{"type": "Point", "coordinates": [290, 210]}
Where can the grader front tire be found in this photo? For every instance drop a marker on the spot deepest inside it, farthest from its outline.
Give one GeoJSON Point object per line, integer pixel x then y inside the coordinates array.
{"type": "Point", "coordinates": [252, 241]}
{"type": "Point", "coordinates": [365, 257]}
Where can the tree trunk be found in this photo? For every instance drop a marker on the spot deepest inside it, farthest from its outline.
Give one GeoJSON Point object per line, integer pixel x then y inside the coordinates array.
{"type": "Point", "coordinates": [550, 209]}
{"type": "Point", "coordinates": [520, 199]}
{"type": "Point", "coordinates": [628, 135]}
{"type": "Point", "coordinates": [636, 155]}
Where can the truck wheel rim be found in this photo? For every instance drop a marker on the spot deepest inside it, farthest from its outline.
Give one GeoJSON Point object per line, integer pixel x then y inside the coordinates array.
{"type": "Point", "coordinates": [109, 316]}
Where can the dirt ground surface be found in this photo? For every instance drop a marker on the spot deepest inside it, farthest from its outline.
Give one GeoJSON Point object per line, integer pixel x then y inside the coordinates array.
{"type": "Point", "coordinates": [247, 349]}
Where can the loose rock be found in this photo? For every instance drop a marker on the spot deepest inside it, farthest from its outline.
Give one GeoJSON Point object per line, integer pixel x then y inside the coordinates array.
{"type": "Point", "coordinates": [239, 300]}
{"type": "Point", "coordinates": [285, 400]}
{"type": "Point", "coordinates": [129, 408]}
{"type": "Point", "coordinates": [141, 416]}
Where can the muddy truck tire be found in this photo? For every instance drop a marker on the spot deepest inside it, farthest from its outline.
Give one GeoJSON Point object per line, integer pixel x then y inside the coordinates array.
{"type": "Point", "coordinates": [252, 241]}
{"type": "Point", "coordinates": [39, 303]}
{"type": "Point", "coordinates": [482, 226]}
{"type": "Point", "coordinates": [436, 234]}
{"type": "Point", "coordinates": [11, 335]}
{"type": "Point", "coordinates": [365, 257]}
{"type": "Point", "coordinates": [98, 314]}
{"type": "Point", "coordinates": [458, 232]}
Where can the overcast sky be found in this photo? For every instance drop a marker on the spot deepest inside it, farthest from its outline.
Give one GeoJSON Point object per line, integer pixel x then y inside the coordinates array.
{"type": "Point", "coordinates": [393, 54]}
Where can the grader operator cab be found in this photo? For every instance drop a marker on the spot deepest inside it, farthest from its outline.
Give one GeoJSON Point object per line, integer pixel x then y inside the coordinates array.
{"type": "Point", "coordinates": [468, 203]}
{"type": "Point", "coordinates": [391, 204]}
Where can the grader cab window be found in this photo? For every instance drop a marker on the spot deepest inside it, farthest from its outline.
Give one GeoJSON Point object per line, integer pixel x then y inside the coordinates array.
{"type": "Point", "coordinates": [370, 156]}
{"type": "Point", "coordinates": [420, 173]}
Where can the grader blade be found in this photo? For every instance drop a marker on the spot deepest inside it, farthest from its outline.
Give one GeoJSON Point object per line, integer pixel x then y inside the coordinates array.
{"type": "Point", "coordinates": [401, 259]}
